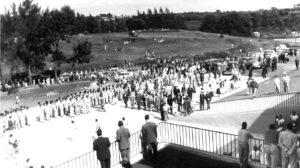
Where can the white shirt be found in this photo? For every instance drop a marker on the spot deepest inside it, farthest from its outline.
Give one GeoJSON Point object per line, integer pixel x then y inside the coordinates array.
{"type": "Point", "coordinates": [286, 79]}
{"type": "Point", "coordinates": [277, 81]}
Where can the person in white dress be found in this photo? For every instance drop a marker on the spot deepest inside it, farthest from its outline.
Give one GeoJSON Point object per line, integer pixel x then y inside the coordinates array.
{"type": "Point", "coordinates": [286, 82]}
{"type": "Point", "coordinates": [277, 84]}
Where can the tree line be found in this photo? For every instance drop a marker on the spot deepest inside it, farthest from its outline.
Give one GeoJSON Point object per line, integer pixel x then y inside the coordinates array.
{"type": "Point", "coordinates": [30, 35]}
{"type": "Point", "coordinates": [155, 20]}
{"type": "Point", "coordinates": [270, 22]}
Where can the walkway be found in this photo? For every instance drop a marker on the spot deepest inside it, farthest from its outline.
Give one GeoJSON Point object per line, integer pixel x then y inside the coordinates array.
{"type": "Point", "coordinates": [267, 87]}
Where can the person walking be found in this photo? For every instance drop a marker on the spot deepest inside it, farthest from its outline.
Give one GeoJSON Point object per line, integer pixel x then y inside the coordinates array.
{"type": "Point", "coordinates": [286, 82]}
{"type": "Point", "coordinates": [202, 99]}
{"type": "Point", "coordinates": [270, 146]}
{"type": "Point", "coordinates": [123, 139]}
{"type": "Point", "coordinates": [277, 84]}
{"type": "Point", "coordinates": [288, 145]}
{"type": "Point", "coordinates": [254, 87]}
{"type": "Point", "coordinates": [243, 139]}
{"type": "Point", "coordinates": [149, 138]}
{"type": "Point", "coordinates": [101, 146]}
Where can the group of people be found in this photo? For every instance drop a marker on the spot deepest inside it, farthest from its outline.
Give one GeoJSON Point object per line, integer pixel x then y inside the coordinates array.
{"type": "Point", "coordinates": [286, 83]}
{"type": "Point", "coordinates": [70, 105]}
{"type": "Point", "coordinates": [280, 143]}
{"type": "Point", "coordinates": [148, 140]}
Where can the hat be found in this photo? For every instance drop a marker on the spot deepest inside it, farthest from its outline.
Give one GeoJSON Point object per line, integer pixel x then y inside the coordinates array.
{"type": "Point", "coordinates": [284, 73]}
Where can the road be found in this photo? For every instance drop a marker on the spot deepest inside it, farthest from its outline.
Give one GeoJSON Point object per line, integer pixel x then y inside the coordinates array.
{"type": "Point", "coordinates": [267, 87]}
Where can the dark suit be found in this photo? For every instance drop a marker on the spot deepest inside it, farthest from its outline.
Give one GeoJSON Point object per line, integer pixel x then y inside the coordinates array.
{"type": "Point", "coordinates": [190, 92]}
{"type": "Point", "coordinates": [202, 99]}
{"type": "Point", "coordinates": [101, 146]}
{"type": "Point", "coordinates": [123, 137]}
{"type": "Point", "coordinates": [149, 139]}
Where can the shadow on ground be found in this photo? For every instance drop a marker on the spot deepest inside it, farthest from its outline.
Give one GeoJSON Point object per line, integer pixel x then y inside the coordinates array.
{"type": "Point", "coordinates": [171, 157]}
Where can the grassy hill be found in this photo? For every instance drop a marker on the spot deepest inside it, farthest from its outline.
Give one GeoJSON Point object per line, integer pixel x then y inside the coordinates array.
{"type": "Point", "coordinates": [182, 43]}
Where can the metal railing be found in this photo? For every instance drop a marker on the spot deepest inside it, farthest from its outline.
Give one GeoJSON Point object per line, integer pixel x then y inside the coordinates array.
{"type": "Point", "coordinates": [258, 103]}
{"type": "Point", "coordinates": [89, 160]}
{"type": "Point", "coordinates": [213, 142]}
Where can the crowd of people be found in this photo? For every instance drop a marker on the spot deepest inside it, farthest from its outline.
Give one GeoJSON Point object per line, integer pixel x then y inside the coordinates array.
{"type": "Point", "coordinates": [280, 144]}
{"type": "Point", "coordinates": [159, 87]}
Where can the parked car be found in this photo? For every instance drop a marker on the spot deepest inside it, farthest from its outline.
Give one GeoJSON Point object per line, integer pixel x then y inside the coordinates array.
{"type": "Point", "coordinates": [256, 64]}
{"type": "Point", "coordinates": [231, 65]}
{"type": "Point", "coordinates": [270, 54]}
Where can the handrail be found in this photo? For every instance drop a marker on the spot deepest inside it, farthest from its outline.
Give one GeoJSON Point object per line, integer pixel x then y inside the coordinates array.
{"type": "Point", "coordinates": [215, 142]}
{"type": "Point", "coordinates": [253, 98]}
{"type": "Point", "coordinates": [89, 159]}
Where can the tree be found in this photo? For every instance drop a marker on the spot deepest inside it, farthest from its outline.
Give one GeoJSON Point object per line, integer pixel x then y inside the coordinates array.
{"type": "Point", "coordinates": [82, 53]}
{"type": "Point", "coordinates": [209, 23]}
{"type": "Point", "coordinates": [55, 29]}
{"type": "Point", "coordinates": [135, 24]}
{"type": "Point", "coordinates": [32, 48]}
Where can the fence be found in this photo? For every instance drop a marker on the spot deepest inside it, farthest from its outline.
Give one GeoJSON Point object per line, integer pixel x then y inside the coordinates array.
{"type": "Point", "coordinates": [259, 103]}
{"type": "Point", "coordinates": [214, 142]}
{"type": "Point", "coordinates": [89, 160]}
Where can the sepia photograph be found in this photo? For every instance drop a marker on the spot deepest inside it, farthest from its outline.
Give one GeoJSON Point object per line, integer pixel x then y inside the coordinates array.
{"type": "Point", "coordinates": [150, 84]}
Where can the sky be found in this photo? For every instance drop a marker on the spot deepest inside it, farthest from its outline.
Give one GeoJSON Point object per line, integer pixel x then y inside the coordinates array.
{"type": "Point", "coordinates": [130, 7]}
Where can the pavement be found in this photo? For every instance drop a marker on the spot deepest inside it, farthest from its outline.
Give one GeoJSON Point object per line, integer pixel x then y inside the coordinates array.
{"type": "Point", "coordinates": [267, 87]}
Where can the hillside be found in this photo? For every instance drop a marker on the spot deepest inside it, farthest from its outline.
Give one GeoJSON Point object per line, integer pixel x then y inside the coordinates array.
{"type": "Point", "coordinates": [182, 43]}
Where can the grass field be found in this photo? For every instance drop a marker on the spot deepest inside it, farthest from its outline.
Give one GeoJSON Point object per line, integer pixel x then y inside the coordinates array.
{"type": "Point", "coordinates": [182, 43]}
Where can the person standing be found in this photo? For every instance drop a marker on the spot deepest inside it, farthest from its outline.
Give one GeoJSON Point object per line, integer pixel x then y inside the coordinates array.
{"type": "Point", "coordinates": [264, 71]}
{"type": "Point", "coordinates": [179, 101]}
{"type": "Point", "coordinates": [288, 145]}
{"type": "Point", "coordinates": [138, 100]}
{"type": "Point", "coordinates": [250, 72]}
{"type": "Point", "coordinates": [294, 120]}
{"type": "Point", "coordinates": [123, 139]}
{"type": "Point", "coordinates": [97, 125]}
{"type": "Point", "coordinates": [286, 82]}
{"type": "Point", "coordinates": [149, 138]}
{"type": "Point", "coordinates": [277, 84]}
{"type": "Point", "coordinates": [125, 97]}
{"type": "Point", "coordinates": [190, 91]}
{"type": "Point", "coordinates": [297, 63]}
{"type": "Point", "coordinates": [202, 99]}
{"type": "Point", "coordinates": [208, 97]}
{"type": "Point", "coordinates": [243, 139]}
{"type": "Point", "coordinates": [270, 146]}
{"type": "Point", "coordinates": [254, 87]}
{"type": "Point", "coordinates": [101, 146]}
